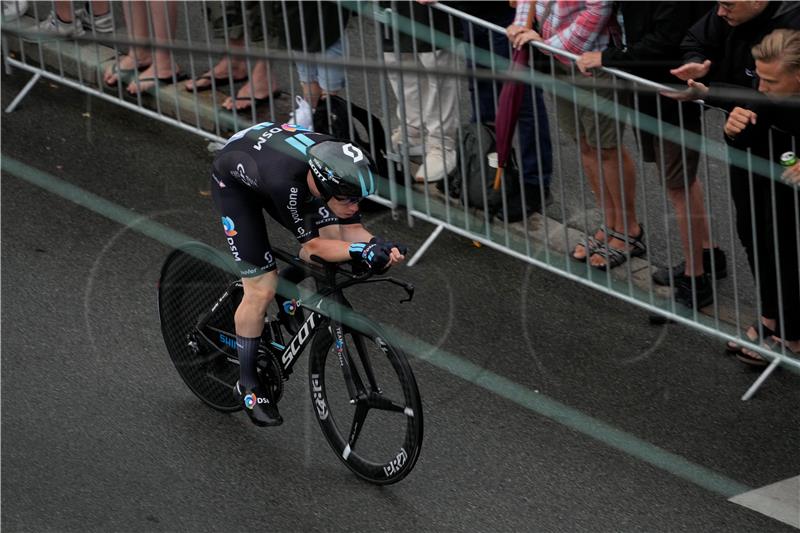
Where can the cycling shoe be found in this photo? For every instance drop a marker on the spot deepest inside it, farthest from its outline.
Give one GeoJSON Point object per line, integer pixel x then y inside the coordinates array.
{"type": "Point", "coordinates": [259, 405]}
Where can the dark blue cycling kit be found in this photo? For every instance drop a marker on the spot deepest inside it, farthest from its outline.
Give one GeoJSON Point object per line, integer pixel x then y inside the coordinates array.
{"type": "Point", "coordinates": [264, 167]}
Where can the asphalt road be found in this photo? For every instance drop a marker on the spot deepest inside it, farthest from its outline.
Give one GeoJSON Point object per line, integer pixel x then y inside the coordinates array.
{"type": "Point", "coordinates": [548, 406]}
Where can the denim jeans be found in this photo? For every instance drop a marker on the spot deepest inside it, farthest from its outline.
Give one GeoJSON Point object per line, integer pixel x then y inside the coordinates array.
{"type": "Point", "coordinates": [527, 122]}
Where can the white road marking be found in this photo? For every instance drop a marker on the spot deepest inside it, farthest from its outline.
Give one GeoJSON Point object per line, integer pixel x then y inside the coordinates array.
{"type": "Point", "coordinates": [780, 501]}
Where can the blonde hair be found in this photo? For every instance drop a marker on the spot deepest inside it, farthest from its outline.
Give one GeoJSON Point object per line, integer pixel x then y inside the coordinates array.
{"type": "Point", "coordinates": [780, 45]}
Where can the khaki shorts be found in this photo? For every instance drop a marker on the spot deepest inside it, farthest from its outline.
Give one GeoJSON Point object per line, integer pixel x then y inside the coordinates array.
{"type": "Point", "coordinates": [589, 122]}
{"type": "Point", "coordinates": [671, 167]}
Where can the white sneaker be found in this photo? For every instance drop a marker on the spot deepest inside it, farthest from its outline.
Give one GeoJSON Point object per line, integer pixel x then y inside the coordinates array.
{"type": "Point", "coordinates": [54, 27]}
{"type": "Point", "coordinates": [14, 9]}
{"type": "Point", "coordinates": [438, 165]}
{"type": "Point", "coordinates": [98, 23]}
{"type": "Point", "coordinates": [414, 140]}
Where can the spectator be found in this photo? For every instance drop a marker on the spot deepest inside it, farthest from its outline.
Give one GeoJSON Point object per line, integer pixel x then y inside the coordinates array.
{"type": "Point", "coordinates": [66, 20]}
{"type": "Point", "coordinates": [579, 27]}
{"type": "Point", "coordinates": [773, 209]}
{"type": "Point", "coordinates": [534, 128]}
{"type": "Point", "coordinates": [653, 32]}
{"type": "Point", "coordinates": [430, 100]}
{"type": "Point", "coordinates": [240, 23]}
{"type": "Point", "coordinates": [717, 50]}
{"type": "Point", "coordinates": [157, 67]}
{"type": "Point", "coordinates": [317, 28]}
{"type": "Point", "coordinates": [13, 10]}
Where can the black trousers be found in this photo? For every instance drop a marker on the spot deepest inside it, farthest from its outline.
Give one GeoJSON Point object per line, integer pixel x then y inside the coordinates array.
{"type": "Point", "coordinates": [767, 224]}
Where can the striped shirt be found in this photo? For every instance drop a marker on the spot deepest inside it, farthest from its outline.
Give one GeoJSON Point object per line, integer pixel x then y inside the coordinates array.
{"type": "Point", "coordinates": [572, 25]}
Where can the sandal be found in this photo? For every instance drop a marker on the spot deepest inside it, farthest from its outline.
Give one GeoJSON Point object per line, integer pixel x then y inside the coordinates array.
{"type": "Point", "coordinates": [616, 257]}
{"type": "Point", "coordinates": [591, 244]}
{"type": "Point", "coordinates": [734, 348]}
{"type": "Point", "coordinates": [752, 358]}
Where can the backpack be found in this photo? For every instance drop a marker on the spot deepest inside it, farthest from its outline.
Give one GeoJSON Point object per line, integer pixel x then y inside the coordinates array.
{"type": "Point", "coordinates": [331, 117]}
{"type": "Point", "coordinates": [468, 183]}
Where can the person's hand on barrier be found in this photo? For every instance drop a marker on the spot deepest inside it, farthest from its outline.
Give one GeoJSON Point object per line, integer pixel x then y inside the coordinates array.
{"type": "Point", "coordinates": [792, 174]}
{"type": "Point", "coordinates": [524, 37]}
{"type": "Point", "coordinates": [513, 30]}
{"type": "Point", "coordinates": [426, 2]}
{"type": "Point", "coordinates": [694, 91]}
{"type": "Point", "coordinates": [738, 120]}
{"type": "Point", "coordinates": [588, 61]}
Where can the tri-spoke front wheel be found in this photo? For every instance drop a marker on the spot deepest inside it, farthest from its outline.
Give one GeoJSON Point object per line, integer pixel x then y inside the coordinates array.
{"type": "Point", "coordinates": [377, 434]}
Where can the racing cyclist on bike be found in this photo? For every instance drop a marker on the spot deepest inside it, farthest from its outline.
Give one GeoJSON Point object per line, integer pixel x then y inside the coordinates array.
{"type": "Point", "coordinates": [311, 184]}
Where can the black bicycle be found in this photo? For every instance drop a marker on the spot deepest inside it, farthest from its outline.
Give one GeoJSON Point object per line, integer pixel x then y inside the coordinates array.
{"type": "Point", "coordinates": [353, 371]}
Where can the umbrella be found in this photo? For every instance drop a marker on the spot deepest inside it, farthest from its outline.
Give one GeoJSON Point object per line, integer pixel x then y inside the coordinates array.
{"type": "Point", "coordinates": [506, 119]}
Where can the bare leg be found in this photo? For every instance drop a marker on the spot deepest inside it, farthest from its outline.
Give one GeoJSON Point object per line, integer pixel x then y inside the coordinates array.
{"type": "Point", "coordinates": [137, 57]}
{"type": "Point", "coordinates": [696, 212]}
{"type": "Point", "coordinates": [226, 67]}
{"type": "Point", "coordinates": [164, 20]}
{"type": "Point", "coordinates": [258, 293]}
{"type": "Point", "coordinates": [621, 216]}
{"type": "Point", "coordinates": [592, 171]}
{"type": "Point", "coordinates": [260, 86]}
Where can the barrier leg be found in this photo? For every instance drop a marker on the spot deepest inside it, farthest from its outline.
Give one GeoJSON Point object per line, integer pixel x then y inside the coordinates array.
{"type": "Point", "coordinates": [764, 375]}
{"type": "Point", "coordinates": [23, 92]}
{"type": "Point", "coordinates": [426, 245]}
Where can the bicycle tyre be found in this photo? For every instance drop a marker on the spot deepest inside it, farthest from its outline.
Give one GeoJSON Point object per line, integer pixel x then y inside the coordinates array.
{"type": "Point", "coordinates": [390, 465]}
{"type": "Point", "coordinates": [192, 278]}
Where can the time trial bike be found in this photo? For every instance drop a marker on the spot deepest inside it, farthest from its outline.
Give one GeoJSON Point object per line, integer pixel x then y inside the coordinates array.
{"type": "Point", "coordinates": [354, 369]}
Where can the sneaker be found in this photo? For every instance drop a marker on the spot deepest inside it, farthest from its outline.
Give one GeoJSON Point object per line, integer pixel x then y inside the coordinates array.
{"type": "Point", "coordinates": [414, 140]}
{"type": "Point", "coordinates": [438, 165]}
{"type": "Point", "coordinates": [95, 24]}
{"type": "Point", "coordinates": [703, 291]}
{"type": "Point", "coordinates": [259, 405]}
{"type": "Point", "coordinates": [662, 275]}
{"type": "Point", "coordinates": [14, 9]}
{"type": "Point", "coordinates": [54, 27]}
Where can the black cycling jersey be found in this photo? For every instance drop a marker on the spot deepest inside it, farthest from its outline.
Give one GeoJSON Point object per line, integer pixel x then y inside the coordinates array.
{"type": "Point", "coordinates": [265, 167]}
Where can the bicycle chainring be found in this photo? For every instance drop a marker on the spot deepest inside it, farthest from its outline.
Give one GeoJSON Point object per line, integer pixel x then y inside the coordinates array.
{"type": "Point", "coordinates": [269, 369]}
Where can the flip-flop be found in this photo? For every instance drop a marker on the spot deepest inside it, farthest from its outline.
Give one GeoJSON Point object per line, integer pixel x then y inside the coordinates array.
{"type": "Point", "coordinates": [123, 74]}
{"type": "Point", "coordinates": [215, 82]}
{"type": "Point", "coordinates": [733, 348]}
{"type": "Point", "coordinates": [755, 359]}
{"type": "Point", "coordinates": [257, 101]}
{"type": "Point", "coordinates": [159, 82]}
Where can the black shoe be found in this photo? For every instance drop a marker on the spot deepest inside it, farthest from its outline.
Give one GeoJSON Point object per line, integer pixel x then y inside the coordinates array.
{"type": "Point", "coordinates": [534, 203]}
{"type": "Point", "coordinates": [259, 405]}
{"type": "Point", "coordinates": [661, 276]}
{"type": "Point", "coordinates": [703, 291]}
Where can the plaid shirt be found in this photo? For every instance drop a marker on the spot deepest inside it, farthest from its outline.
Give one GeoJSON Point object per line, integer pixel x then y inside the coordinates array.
{"type": "Point", "coordinates": [572, 25]}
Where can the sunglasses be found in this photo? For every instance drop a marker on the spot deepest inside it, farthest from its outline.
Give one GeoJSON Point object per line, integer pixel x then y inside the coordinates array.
{"type": "Point", "coordinates": [348, 199]}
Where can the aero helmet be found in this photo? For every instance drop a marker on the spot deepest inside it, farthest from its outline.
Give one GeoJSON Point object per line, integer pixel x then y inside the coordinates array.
{"type": "Point", "coordinates": [341, 169]}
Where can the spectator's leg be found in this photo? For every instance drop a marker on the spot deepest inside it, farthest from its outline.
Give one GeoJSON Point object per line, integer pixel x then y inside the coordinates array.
{"type": "Point", "coordinates": [332, 78]}
{"type": "Point", "coordinates": [164, 20]}
{"type": "Point", "coordinates": [440, 109]}
{"type": "Point", "coordinates": [591, 168]}
{"type": "Point", "coordinates": [258, 87]}
{"type": "Point", "coordinates": [787, 230]}
{"type": "Point", "coordinates": [138, 57]}
{"type": "Point", "coordinates": [410, 95]}
{"type": "Point", "coordinates": [621, 215]}
{"type": "Point", "coordinates": [696, 211]}
{"type": "Point", "coordinates": [226, 67]}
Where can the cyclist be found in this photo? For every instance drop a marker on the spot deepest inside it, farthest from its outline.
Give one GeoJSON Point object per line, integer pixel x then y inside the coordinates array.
{"type": "Point", "coordinates": [311, 184]}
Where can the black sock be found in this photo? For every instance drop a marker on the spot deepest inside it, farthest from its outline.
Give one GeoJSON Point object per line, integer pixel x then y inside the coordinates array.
{"type": "Point", "coordinates": [247, 348]}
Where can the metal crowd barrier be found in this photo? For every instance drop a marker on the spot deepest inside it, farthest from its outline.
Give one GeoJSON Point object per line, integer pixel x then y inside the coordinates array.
{"type": "Point", "coordinates": [246, 33]}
